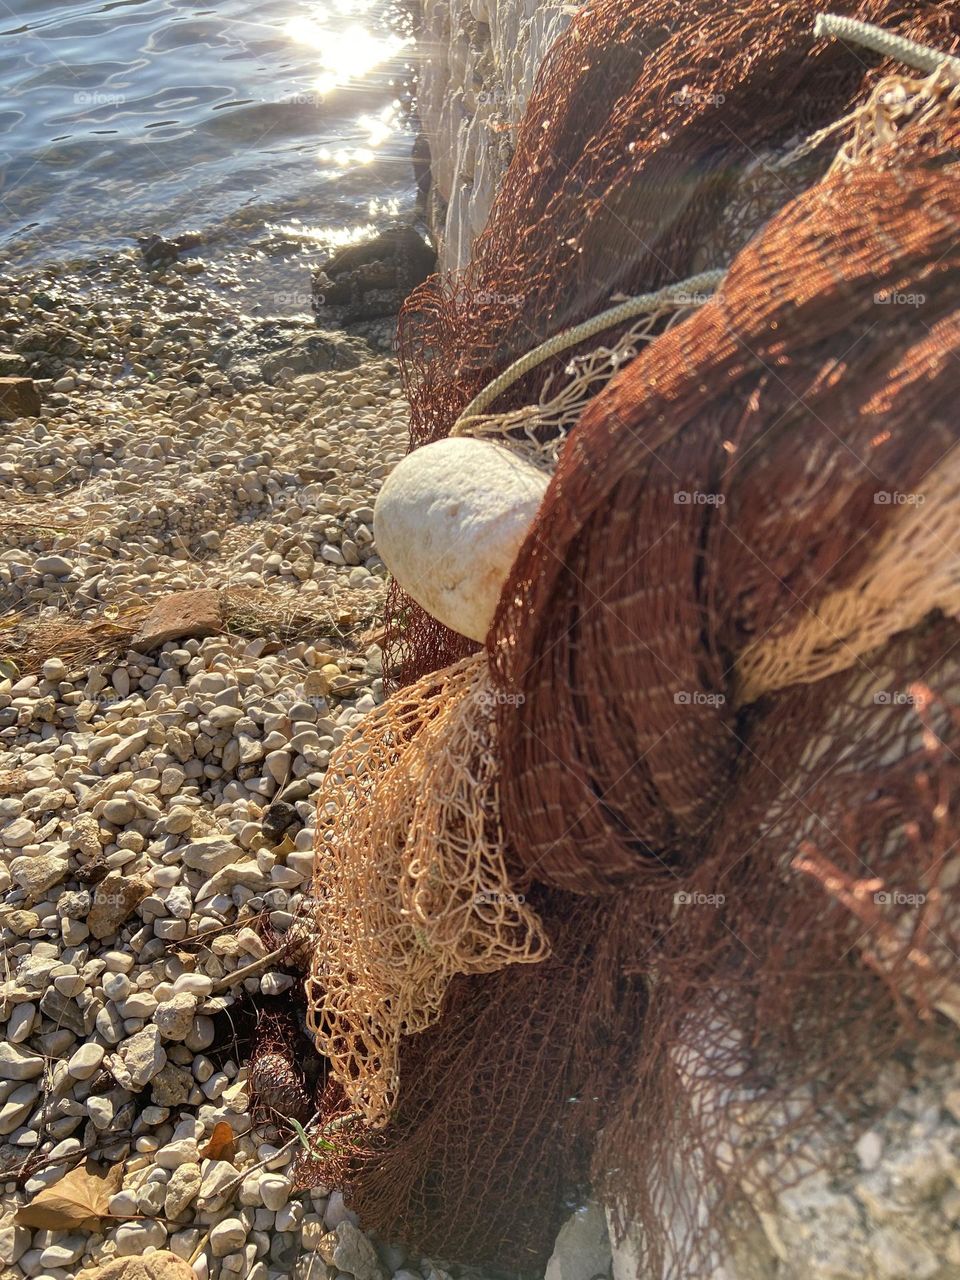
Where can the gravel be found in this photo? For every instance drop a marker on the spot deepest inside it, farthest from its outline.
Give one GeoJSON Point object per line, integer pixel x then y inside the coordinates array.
{"type": "Point", "coordinates": [165, 795]}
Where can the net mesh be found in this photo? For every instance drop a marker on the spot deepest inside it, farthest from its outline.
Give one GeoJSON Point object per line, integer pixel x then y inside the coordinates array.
{"type": "Point", "coordinates": [646, 153]}
{"type": "Point", "coordinates": [411, 880]}
{"type": "Point", "coordinates": [725, 670]}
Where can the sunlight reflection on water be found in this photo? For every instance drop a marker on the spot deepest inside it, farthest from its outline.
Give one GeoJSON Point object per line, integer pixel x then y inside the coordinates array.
{"type": "Point", "coordinates": [163, 116]}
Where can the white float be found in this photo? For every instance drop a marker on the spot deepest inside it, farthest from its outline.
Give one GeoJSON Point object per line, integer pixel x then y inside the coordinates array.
{"type": "Point", "coordinates": [448, 524]}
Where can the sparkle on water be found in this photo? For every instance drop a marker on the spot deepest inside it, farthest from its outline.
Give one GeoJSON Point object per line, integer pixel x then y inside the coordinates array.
{"type": "Point", "coordinates": [117, 120]}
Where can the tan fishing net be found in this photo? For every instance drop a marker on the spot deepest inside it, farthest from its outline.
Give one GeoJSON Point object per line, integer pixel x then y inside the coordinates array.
{"type": "Point", "coordinates": [411, 878]}
{"type": "Point", "coordinates": [713, 739]}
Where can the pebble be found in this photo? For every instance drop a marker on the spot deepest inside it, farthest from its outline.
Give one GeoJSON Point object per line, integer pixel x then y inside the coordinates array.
{"type": "Point", "coordinates": [19, 1063]}
{"type": "Point", "coordinates": [174, 1017]}
{"type": "Point", "coordinates": [86, 1060]}
{"type": "Point", "coordinates": [228, 1234]}
{"type": "Point", "coordinates": [139, 1059]}
{"type": "Point", "coordinates": [274, 1190]}
{"type": "Point", "coordinates": [150, 772]}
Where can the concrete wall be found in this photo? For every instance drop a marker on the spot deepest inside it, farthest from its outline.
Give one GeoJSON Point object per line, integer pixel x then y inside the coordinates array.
{"type": "Point", "coordinates": [479, 59]}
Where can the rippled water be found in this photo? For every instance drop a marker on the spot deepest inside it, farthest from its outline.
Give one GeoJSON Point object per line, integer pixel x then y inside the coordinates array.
{"type": "Point", "coordinates": [125, 117]}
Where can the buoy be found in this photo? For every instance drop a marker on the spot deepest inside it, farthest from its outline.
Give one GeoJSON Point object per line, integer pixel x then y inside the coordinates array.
{"type": "Point", "coordinates": [448, 524]}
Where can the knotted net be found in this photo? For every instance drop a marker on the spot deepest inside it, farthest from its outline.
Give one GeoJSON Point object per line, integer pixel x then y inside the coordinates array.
{"type": "Point", "coordinates": [724, 671]}
{"type": "Point", "coordinates": [657, 140]}
{"type": "Point", "coordinates": [411, 880]}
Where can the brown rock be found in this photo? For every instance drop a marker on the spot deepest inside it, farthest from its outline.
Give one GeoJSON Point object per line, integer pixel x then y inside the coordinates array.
{"type": "Point", "coordinates": [184, 613]}
{"type": "Point", "coordinates": [161, 1265]}
{"type": "Point", "coordinates": [19, 398]}
{"type": "Point", "coordinates": [113, 901]}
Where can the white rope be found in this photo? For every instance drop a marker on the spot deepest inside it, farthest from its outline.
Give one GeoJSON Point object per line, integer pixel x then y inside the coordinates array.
{"type": "Point", "coordinates": [910, 52]}
{"type": "Point", "coordinates": [678, 293]}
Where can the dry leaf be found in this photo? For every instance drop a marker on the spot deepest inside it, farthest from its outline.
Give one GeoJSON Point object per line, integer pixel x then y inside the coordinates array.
{"type": "Point", "coordinates": [221, 1145]}
{"type": "Point", "coordinates": [285, 846]}
{"type": "Point", "coordinates": [77, 1201]}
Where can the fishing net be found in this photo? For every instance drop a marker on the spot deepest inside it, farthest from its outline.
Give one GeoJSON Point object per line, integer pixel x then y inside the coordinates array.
{"type": "Point", "coordinates": [759, 461]}
{"type": "Point", "coordinates": [657, 139]}
{"type": "Point", "coordinates": [724, 674]}
{"type": "Point", "coordinates": [411, 880]}
{"type": "Point", "coordinates": [490, 1143]}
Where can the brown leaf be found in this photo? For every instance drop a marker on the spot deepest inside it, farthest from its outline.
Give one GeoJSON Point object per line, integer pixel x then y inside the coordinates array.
{"type": "Point", "coordinates": [77, 1201]}
{"type": "Point", "coordinates": [221, 1145]}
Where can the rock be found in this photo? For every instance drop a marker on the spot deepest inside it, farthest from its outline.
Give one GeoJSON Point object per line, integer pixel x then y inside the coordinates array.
{"type": "Point", "coordinates": [118, 809]}
{"type": "Point", "coordinates": [130, 745]}
{"type": "Point", "coordinates": [17, 833]}
{"type": "Point", "coordinates": [582, 1250]}
{"type": "Point", "coordinates": [157, 251]}
{"type": "Point", "coordinates": [19, 922]}
{"type": "Point", "coordinates": [171, 1086]}
{"type": "Point", "coordinates": [349, 1250]}
{"type": "Point", "coordinates": [138, 1059]}
{"type": "Point", "coordinates": [84, 835]}
{"type": "Point", "coordinates": [209, 853]}
{"type": "Point", "coordinates": [337, 1212]}
{"type": "Point", "coordinates": [181, 1151]}
{"type": "Point", "coordinates": [161, 1265]}
{"type": "Point", "coordinates": [449, 522]}
{"type": "Point", "coordinates": [14, 1242]}
{"type": "Point", "coordinates": [19, 398]}
{"type": "Point", "coordinates": [313, 352]}
{"type": "Point", "coordinates": [218, 1184]}
{"type": "Point", "coordinates": [20, 1022]}
{"type": "Point", "coordinates": [85, 1061]}
{"type": "Point", "coordinates": [227, 1236]}
{"type": "Point", "coordinates": [174, 1017]}
{"type": "Point", "coordinates": [372, 278]}
{"type": "Point", "coordinates": [64, 1012]}
{"type": "Point", "coordinates": [37, 872]}
{"type": "Point", "coordinates": [275, 1190]}
{"type": "Point", "coordinates": [57, 566]}
{"type": "Point", "coordinates": [54, 670]}
{"type": "Point", "coordinates": [185, 613]}
{"type": "Point", "coordinates": [19, 1063]}
{"type": "Point", "coordinates": [136, 1237]}
{"type": "Point", "coordinates": [63, 1252]}
{"type": "Point", "coordinates": [277, 818]}
{"type": "Point", "coordinates": [274, 984]}
{"type": "Point", "coordinates": [114, 899]}
{"type": "Point", "coordinates": [181, 1189]}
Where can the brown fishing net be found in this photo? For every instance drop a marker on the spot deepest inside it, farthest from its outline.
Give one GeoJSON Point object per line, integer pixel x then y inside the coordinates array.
{"type": "Point", "coordinates": [724, 675]}
{"type": "Point", "coordinates": [649, 150]}
{"type": "Point", "coordinates": [758, 461]}
{"type": "Point", "coordinates": [489, 1146]}
{"type": "Point", "coordinates": [411, 881]}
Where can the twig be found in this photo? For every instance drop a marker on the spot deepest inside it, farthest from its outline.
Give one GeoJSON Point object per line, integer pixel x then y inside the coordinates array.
{"type": "Point", "coordinates": [230, 979]}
